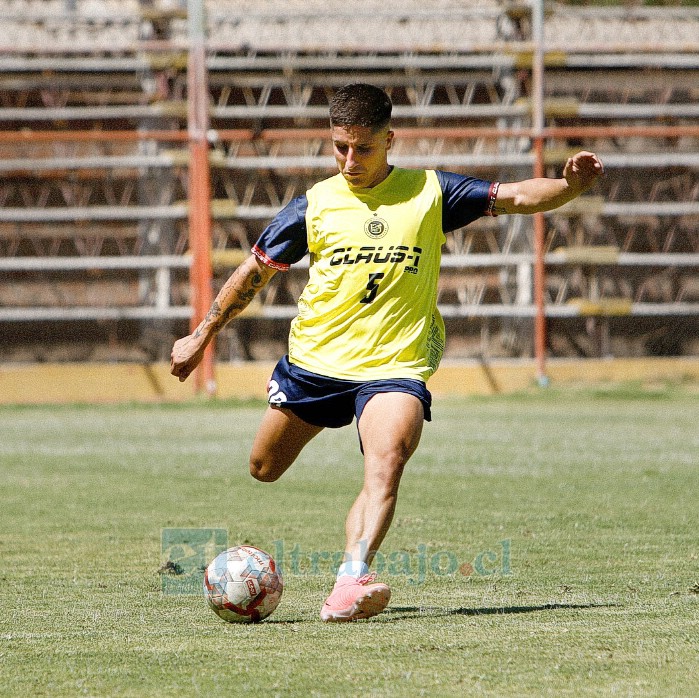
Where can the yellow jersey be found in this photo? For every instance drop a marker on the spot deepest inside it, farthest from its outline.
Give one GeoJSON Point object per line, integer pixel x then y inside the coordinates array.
{"type": "Point", "coordinates": [369, 309]}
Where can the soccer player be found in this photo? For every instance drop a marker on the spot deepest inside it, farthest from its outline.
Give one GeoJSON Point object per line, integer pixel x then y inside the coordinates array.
{"type": "Point", "coordinates": [368, 334]}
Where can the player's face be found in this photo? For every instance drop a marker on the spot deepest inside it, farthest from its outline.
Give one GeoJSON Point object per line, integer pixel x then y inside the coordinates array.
{"type": "Point", "coordinates": [361, 154]}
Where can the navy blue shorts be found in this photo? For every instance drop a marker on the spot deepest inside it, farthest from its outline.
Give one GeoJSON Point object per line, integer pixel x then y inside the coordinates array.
{"type": "Point", "coordinates": [331, 402]}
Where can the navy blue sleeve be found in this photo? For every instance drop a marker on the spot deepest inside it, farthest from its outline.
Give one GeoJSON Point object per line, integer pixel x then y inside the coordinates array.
{"type": "Point", "coordinates": [464, 199]}
{"type": "Point", "coordinates": [284, 241]}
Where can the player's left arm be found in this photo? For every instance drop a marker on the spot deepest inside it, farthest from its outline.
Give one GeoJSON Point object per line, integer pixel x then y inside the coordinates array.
{"type": "Point", "coordinates": [543, 194]}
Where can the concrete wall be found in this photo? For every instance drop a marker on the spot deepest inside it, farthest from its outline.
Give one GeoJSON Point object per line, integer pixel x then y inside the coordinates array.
{"type": "Point", "coordinates": [131, 382]}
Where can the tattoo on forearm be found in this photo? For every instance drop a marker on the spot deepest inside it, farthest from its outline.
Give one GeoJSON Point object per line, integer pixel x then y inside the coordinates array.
{"type": "Point", "coordinates": [211, 317]}
{"type": "Point", "coordinates": [244, 288]}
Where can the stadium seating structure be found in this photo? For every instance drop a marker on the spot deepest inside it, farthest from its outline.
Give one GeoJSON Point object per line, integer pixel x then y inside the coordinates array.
{"type": "Point", "coordinates": [94, 188]}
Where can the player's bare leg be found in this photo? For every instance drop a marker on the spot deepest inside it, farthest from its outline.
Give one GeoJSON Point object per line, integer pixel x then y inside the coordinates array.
{"type": "Point", "coordinates": [280, 438]}
{"type": "Point", "coordinates": [390, 429]}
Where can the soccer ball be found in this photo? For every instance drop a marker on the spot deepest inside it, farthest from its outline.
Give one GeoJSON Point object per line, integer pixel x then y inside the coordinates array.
{"type": "Point", "coordinates": [243, 585]}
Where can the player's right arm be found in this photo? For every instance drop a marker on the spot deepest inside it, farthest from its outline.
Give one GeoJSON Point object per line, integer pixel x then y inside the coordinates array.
{"type": "Point", "coordinates": [235, 295]}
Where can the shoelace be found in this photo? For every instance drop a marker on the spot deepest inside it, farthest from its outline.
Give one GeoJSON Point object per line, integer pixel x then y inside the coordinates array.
{"type": "Point", "coordinates": [367, 578]}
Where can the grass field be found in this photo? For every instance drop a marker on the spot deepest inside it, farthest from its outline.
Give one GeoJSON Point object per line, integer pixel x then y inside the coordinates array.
{"type": "Point", "coordinates": [544, 545]}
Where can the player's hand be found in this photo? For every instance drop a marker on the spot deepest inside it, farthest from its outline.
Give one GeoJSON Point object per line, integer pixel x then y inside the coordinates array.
{"type": "Point", "coordinates": [583, 170]}
{"type": "Point", "coordinates": [186, 355]}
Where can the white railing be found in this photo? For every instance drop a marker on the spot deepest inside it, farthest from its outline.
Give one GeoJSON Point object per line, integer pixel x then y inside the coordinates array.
{"type": "Point", "coordinates": [163, 264]}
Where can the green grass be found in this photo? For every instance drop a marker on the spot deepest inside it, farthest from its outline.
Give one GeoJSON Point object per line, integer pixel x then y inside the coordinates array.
{"type": "Point", "coordinates": [579, 509]}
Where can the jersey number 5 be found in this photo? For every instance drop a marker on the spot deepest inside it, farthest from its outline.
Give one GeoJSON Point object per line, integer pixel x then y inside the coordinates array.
{"type": "Point", "coordinates": [372, 287]}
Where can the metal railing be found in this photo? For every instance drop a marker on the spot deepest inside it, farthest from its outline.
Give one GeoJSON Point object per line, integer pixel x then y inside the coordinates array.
{"type": "Point", "coordinates": [494, 147]}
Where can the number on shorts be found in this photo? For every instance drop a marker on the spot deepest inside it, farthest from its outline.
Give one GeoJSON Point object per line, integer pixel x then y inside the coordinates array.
{"type": "Point", "coordinates": [276, 396]}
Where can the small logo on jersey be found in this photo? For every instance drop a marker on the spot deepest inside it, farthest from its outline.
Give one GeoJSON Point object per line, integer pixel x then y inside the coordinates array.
{"type": "Point", "coordinates": [376, 227]}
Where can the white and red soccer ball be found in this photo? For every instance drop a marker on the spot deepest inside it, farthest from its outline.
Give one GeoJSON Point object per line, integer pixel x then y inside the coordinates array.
{"type": "Point", "coordinates": [243, 585]}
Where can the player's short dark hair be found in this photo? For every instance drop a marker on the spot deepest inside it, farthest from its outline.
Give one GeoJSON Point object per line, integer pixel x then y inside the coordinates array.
{"type": "Point", "coordinates": [360, 104]}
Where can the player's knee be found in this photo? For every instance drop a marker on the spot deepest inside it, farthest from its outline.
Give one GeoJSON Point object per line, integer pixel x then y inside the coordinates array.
{"type": "Point", "coordinates": [391, 461]}
{"type": "Point", "coordinates": [384, 475]}
{"type": "Point", "coordinates": [263, 470]}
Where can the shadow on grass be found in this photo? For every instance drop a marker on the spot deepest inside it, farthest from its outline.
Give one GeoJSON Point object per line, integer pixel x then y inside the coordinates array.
{"type": "Point", "coordinates": [404, 612]}
{"type": "Point", "coordinates": [397, 613]}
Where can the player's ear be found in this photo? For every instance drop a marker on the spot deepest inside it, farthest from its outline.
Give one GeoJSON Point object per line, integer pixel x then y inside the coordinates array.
{"type": "Point", "coordinates": [389, 139]}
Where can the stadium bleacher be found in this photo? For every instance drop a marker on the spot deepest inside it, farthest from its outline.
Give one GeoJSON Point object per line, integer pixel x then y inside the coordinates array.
{"type": "Point", "coordinates": [93, 119]}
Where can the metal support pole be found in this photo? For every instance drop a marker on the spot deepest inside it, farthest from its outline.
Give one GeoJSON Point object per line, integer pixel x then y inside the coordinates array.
{"type": "Point", "coordinates": [201, 275]}
{"type": "Point", "coordinates": [539, 222]}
